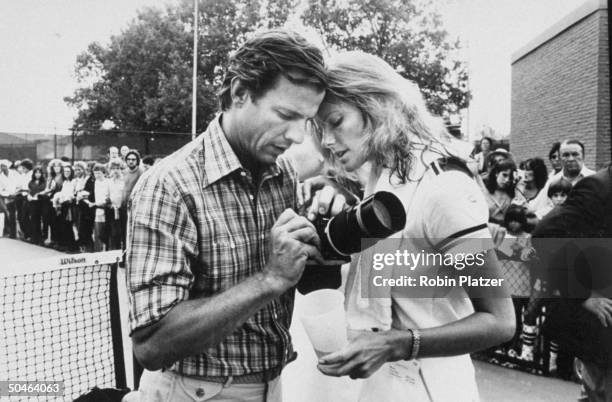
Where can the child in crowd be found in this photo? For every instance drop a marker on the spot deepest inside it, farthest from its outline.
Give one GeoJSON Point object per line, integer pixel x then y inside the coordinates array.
{"type": "Point", "coordinates": [557, 194]}
{"type": "Point", "coordinates": [515, 251]}
{"type": "Point", "coordinates": [558, 191]}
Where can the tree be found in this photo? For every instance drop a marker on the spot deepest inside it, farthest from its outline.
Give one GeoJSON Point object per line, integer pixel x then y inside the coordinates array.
{"type": "Point", "coordinates": [403, 33]}
{"type": "Point", "coordinates": [142, 80]}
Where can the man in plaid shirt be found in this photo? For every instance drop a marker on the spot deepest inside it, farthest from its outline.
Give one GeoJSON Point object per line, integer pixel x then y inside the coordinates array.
{"type": "Point", "coordinates": [214, 245]}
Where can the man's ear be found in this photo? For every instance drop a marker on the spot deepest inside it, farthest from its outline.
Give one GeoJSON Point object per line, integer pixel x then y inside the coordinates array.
{"type": "Point", "coordinates": [239, 92]}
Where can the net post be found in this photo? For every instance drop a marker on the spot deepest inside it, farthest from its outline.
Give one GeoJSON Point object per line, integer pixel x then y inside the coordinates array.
{"type": "Point", "coordinates": [115, 318]}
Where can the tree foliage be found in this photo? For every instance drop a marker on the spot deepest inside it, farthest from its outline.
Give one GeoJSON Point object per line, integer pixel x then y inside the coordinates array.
{"type": "Point", "coordinates": [406, 34]}
{"type": "Point", "coordinates": [142, 80]}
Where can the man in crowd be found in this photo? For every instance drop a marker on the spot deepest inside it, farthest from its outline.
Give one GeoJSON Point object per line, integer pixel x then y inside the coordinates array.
{"type": "Point", "coordinates": [573, 245]}
{"type": "Point", "coordinates": [21, 202]}
{"type": "Point", "coordinates": [215, 247]}
{"type": "Point", "coordinates": [116, 193]}
{"type": "Point", "coordinates": [572, 170]}
{"type": "Point", "coordinates": [8, 188]}
{"type": "Point", "coordinates": [131, 175]}
{"type": "Point", "coordinates": [572, 162]}
{"type": "Point", "coordinates": [113, 153]}
{"type": "Point", "coordinates": [124, 151]}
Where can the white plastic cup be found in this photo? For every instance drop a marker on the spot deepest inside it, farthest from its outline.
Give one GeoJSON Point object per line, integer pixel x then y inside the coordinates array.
{"type": "Point", "coordinates": [324, 320]}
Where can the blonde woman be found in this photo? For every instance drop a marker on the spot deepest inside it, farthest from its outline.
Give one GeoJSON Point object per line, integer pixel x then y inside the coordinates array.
{"type": "Point", "coordinates": [374, 123]}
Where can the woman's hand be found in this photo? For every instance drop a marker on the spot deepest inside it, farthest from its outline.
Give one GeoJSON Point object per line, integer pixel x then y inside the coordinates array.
{"type": "Point", "coordinates": [321, 195]}
{"type": "Point", "coordinates": [367, 353]}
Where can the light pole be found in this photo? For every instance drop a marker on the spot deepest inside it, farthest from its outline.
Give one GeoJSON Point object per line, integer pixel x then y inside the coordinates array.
{"type": "Point", "coordinates": [195, 70]}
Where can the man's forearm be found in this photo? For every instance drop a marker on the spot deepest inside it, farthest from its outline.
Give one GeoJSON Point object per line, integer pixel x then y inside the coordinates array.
{"type": "Point", "coordinates": [194, 325]}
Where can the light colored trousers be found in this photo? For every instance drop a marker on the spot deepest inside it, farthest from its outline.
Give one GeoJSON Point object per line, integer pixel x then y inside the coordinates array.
{"type": "Point", "coordinates": [166, 386]}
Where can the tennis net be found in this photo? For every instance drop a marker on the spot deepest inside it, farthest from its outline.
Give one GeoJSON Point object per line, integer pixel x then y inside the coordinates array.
{"type": "Point", "coordinates": [60, 322]}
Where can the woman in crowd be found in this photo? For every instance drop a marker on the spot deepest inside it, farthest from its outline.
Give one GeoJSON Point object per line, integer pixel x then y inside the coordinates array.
{"type": "Point", "coordinates": [486, 145]}
{"type": "Point", "coordinates": [554, 157]}
{"type": "Point", "coordinates": [84, 198]}
{"type": "Point", "coordinates": [99, 204]}
{"type": "Point", "coordinates": [36, 187]}
{"type": "Point", "coordinates": [80, 178]}
{"type": "Point", "coordinates": [373, 122]}
{"type": "Point", "coordinates": [54, 184]}
{"type": "Point", "coordinates": [500, 185]}
{"type": "Point", "coordinates": [63, 204]}
{"type": "Point", "coordinates": [534, 178]}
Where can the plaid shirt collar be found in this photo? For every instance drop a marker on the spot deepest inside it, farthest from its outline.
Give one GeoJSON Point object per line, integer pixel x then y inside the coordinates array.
{"type": "Point", "coordinates": [220, 160]}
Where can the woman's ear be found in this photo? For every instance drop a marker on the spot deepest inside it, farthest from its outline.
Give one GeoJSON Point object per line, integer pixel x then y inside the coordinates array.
{"type": "Point", "coordinates": [239, 92]}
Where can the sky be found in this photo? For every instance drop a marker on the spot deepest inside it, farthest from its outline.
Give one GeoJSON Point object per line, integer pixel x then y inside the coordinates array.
{"type": "Point", "coordinates": [40, 40]}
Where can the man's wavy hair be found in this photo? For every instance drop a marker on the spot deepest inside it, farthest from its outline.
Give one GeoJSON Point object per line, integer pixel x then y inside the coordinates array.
{"type": "Point", "coordinates": [393, 110]}
{"type": "Point", "coordinates": [260, 61]}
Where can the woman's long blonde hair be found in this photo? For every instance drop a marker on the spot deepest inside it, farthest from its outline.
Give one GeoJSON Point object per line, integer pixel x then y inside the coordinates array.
{"type": "Point", "coordinates": [397, 120]}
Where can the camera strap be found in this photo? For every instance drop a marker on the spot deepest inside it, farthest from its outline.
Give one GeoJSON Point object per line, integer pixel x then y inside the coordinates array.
{"type": "Point", "coordinates": [449, 164]}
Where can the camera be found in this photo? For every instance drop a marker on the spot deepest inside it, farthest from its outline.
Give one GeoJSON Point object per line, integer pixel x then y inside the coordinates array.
{"type": "Point", "coordinates": [376, 217]}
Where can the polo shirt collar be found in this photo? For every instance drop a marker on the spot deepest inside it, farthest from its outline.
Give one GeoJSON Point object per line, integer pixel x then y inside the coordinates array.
{"type": "Point", "coordinates": [220, 159]}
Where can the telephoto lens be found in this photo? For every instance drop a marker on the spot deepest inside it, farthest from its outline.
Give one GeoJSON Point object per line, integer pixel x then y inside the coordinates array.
{"type": "Point", "coordinates": [376, 217]}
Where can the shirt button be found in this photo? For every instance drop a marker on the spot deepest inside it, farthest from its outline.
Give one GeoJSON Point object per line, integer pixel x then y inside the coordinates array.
{"type": "Point", "coordinates": [200, 392]}
{"type": "Point", "coordinates": [251, 197]}
{"type": "Point", "coordinates": [243, 174]}
{"type": "Point", "coordinates": [262, 236]}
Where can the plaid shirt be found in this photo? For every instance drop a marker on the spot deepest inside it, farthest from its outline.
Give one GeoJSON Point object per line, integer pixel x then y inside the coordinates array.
{"type": "Point", "coordinates": [199, 225]}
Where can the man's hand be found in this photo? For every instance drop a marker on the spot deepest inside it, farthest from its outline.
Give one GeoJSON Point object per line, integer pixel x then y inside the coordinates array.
{"type": "Point", "coordinates": [294, 240]}
{"type": "Point", "coordinates": [601, 307]}
{"type": "Point", "coordinates": [366, 353]}
{"type": "Point", "coordinates": [324, 196]}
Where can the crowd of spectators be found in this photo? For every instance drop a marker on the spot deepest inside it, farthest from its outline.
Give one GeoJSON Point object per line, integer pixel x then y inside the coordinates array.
{"type": "Point", "coordinates": [78, 206]}
{"type": "Point", "coordinates": [519, 195]}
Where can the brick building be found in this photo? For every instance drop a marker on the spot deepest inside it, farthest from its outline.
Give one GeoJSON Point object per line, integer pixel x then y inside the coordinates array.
{"type": "Point", "coordinates": [561, 87]}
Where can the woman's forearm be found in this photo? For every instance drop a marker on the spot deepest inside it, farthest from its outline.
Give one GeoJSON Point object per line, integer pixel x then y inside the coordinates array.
{"type": "Point", "coordinates": [478, 331]}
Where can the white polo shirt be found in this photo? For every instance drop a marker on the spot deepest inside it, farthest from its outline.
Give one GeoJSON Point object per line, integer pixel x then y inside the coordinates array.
{"type": "Point", "coordinates": [446, 211]}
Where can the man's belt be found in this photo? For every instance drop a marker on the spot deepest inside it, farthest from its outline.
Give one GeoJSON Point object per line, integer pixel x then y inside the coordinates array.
{"type": "Point", "coordinates": [253, 378]}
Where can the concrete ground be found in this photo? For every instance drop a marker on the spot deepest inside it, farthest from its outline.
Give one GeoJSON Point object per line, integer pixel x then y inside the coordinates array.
{"type": "Point", "coordinates": [302, 382]}
{"type": "Point", "coordinates": [18, 251]}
